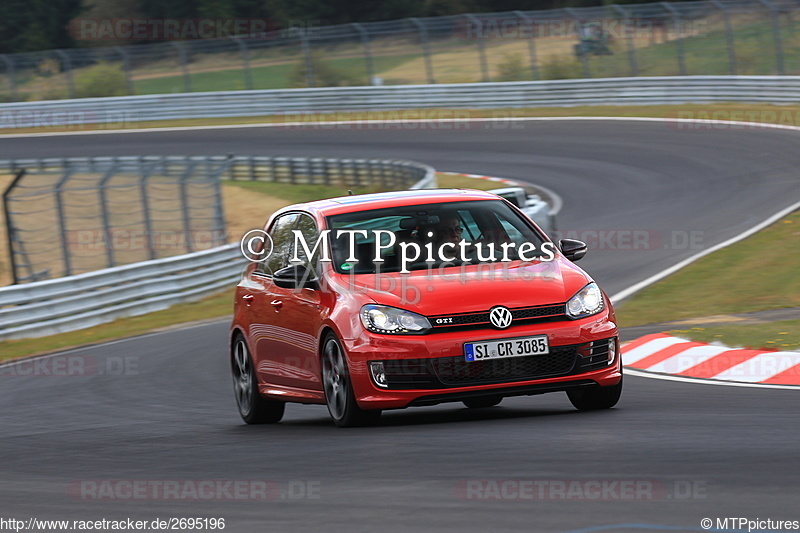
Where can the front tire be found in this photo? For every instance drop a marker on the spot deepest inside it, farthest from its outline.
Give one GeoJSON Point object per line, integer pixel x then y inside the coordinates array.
{"type": "Point", "coordinates": [339, 396]}
{"type": "Point", "coordinates": [594, 398]}
{"type": "Point", "coordinates": [253, 408]}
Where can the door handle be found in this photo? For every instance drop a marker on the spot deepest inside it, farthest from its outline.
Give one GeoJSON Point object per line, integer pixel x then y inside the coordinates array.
{"type": "Point", "coordinates": [277, 304]}
{"type": "Point", "coordinates": [248, 298]}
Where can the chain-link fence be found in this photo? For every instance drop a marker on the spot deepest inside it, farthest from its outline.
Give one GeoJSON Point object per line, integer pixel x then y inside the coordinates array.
{"type": "Point", "coordinates": [707, 37]}
{"type": "Point", "coordinates": [78, 215]}
{"type": "Point", "coordinates": [75, 215]}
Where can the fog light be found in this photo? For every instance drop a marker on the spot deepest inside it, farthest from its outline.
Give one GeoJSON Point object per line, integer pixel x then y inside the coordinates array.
{"type": "Point", "coordinates": [378, 374]}
{"type": "Point", "coordinates": [612, 349]}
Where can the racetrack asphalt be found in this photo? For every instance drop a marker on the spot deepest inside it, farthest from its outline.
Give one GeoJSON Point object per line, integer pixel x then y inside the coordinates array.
{"type": "Point", "coordinates": [160, 407]}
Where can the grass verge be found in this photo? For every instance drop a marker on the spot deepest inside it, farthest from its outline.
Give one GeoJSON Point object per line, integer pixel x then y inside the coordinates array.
{"type": "Point", "coordinates": [756, 274]}
{"type": "Point", "coordinates": [295, 194]}
{"type": "Point", "coordinates": [215, 306]}
{"type": "Point", "coordinates": [783, 336]}
{"type": "Point", "coordinates": [262, 77]}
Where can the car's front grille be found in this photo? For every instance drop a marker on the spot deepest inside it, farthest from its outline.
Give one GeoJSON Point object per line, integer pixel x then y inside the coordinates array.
{"type": "Point", "coordinates": [457, 371]}
{"type": "Point", "coordinates": [538, 312]}
{"type": "Point", "coordinates": [448, 372]}
{"type": "Point", "coordinates": [520, 315]}
{"type": "Point", "coordinates": [443, 372]}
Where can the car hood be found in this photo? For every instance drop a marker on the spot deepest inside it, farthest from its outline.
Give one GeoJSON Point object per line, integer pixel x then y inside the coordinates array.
{"type": "Point", "coordinates": [473, 288]}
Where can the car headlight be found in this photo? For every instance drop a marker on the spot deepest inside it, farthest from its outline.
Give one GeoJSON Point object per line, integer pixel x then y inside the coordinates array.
{"type": "Point", "coordinates": [385, 319]}
{"type": "Point", "coordinates": [588, 301]}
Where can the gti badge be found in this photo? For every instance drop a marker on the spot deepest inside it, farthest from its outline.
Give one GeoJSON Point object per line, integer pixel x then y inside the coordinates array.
{"type": "Point", "coordinates": [500, 317]}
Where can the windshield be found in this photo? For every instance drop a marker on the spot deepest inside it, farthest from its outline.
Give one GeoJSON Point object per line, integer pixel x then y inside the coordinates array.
{"type": "Point", "coordinates": [417, 237]}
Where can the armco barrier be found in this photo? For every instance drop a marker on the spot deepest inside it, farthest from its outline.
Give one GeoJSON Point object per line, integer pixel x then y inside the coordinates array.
{"type": "Point", "coordinates": [85, 300]}
{"type": "Point", "coordinates": [292, 170]}
{"type": "Point", "coordinates": [129, 110]}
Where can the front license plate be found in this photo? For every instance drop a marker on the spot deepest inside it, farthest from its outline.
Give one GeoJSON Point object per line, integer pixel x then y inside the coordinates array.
{"type": "Point", "coordinates": [504, 348]}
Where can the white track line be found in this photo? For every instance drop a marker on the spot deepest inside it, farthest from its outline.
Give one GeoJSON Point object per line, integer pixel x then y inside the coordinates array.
{"type": "Point", "coordinates": [754, 125]}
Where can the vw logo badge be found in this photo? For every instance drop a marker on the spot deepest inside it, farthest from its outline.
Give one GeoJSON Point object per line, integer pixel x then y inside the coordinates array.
{"type": "Point", "coordinates": [500, 317]}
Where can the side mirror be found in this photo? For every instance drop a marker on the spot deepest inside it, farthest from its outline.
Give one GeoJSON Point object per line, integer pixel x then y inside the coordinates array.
{"type": "Point", "coordinates": [295, 277]}
{"type": "Point", "coordinates": [572, 249]}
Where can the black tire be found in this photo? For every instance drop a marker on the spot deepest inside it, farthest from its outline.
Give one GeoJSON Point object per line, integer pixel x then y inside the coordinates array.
{"type": "Point", "coordinates": [594, 398]}
{"type": "Point", "coordinates": [481, 402]}
{"type": "Point", "coordinates": [339, 396]}
{"type": "Point", "coordinates": [253, 408]}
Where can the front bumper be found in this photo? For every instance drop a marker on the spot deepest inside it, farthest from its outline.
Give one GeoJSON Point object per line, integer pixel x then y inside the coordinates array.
{"type": "Point", "coordinates": [520, 390]}
{"type": "Point", "coordinates": [430, 369]}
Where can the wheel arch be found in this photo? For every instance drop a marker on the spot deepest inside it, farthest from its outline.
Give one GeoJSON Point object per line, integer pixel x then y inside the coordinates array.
{"type": "Point", "coordinates": [326, 330]}
{"type": "Point", "coordinates": [236, 333]}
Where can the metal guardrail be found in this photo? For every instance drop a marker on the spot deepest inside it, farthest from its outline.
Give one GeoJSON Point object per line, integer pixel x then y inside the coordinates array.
{"type": "Point", "coordinates": [388, 173]}
{"type": "Point", "coordinates": [306, 104]}
{"type": "Point", "coordinates": [292, 170]}
{"type": "Point", "coordinates": [85, 300]}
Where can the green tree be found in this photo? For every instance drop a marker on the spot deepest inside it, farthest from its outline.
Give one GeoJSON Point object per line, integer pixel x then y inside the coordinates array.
{"type": "Point", "coordinates": [29, 25]}
{"type": "Point", "coordinates": [102, 79]}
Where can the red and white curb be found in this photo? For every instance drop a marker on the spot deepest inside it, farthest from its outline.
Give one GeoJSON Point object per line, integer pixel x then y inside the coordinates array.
{"type": "Point", "coordinates": [666, 354]}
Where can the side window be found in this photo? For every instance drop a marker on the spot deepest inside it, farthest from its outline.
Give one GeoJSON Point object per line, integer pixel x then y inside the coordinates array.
{"type": "Point", "coordinates": [282, 240]}
{"type": "Point", "coordinates": [308, 228]}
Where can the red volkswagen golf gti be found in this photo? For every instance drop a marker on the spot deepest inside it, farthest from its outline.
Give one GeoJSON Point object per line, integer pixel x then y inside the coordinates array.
{"type": "Point", "coordinates": [414, 298]}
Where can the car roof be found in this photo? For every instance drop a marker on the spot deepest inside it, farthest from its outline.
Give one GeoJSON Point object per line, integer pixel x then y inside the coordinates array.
{"type": "Point", "coordinates": [364, 202]}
